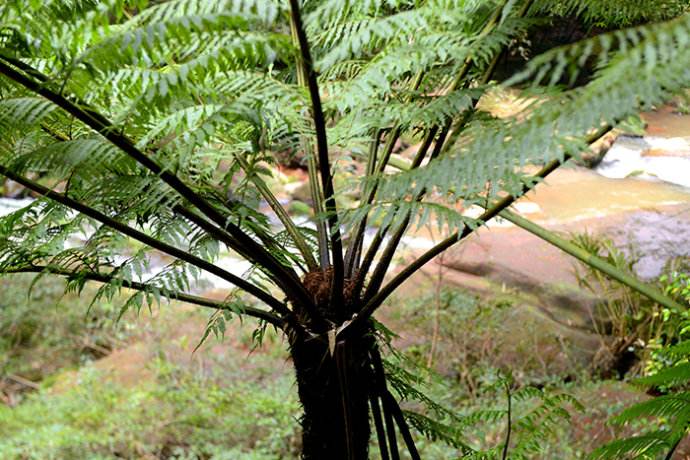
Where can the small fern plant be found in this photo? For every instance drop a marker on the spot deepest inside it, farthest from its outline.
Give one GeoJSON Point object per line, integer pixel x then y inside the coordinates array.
{"type": "Point", "coordinates": [669, 413]}
{"type": "Point", "coordinates": [149, 128]}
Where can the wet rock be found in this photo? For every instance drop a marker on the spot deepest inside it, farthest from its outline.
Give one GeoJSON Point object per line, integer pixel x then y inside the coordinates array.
{"type": "Point", "coordinates": [657, 236]}
{"type": "Point", "coordinates": [667, 122]}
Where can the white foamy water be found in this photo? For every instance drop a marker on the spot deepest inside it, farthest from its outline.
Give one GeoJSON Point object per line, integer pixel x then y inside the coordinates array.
{"type": "Point", "coordinates": [9, 205]}
{"type": "Point", "coordinates": [626, 158]}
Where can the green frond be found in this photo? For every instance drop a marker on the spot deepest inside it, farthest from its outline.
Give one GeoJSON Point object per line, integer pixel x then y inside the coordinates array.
{"type": "Point", "coordinates": [645, 447]}
{"type": "Point", "coordinates": [23, 112]}
{"type": "Point", "coordinates": [175, 113]}
{"type": "Point", "coordinates": [434, 430]}
{"type": "Point", "coordinates": [669, 377]}
{"type": "Point", "coordinates": [492, 151]}
{"type": "Point", "coordinates": [607, 13]}
{"type": "Point", "coordinates": [644, 46]}
{"type": "Point", "coordinates": [266, 10]}
{"type": "Point", "coordinates": [678, 351]}
{"type": "Point", "coordinates": [84, 156]}
{"type": "Point", "coordinates": [670, 406]}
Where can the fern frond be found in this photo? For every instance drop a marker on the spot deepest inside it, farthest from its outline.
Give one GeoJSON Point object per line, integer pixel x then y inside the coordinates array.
{"type": "Point", "coordinates": [670, 406]}
{"type": "Point", "coordinates": [669, 377]}
{"type": "Point", "coordinates": [644, 447]}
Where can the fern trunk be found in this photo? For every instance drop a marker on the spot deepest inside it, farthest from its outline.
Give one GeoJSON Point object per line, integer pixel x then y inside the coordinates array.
{"type": "Point", "coordinates": [334, 383]}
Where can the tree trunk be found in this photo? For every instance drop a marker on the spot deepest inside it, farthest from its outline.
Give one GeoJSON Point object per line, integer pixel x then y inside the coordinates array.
{"type": "Point", "coordinates": [334, 386]}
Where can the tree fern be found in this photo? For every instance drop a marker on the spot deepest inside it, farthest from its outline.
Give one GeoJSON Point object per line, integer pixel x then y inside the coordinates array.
{"type": "Point", "coordinates": [151, 128]}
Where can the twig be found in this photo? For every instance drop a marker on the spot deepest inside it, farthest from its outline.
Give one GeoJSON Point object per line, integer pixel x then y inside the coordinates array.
{"type": "Point", "coordinates": [22, 381]}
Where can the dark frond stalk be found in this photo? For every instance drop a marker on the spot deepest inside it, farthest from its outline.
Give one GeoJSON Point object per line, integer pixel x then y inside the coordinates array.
{"type": "Point", "coordinates": [455, 238]}
{"type": "Point", "coordinates": [375, 168]}
{"type": "Point", "coordinates": [443, 136]}
{"type": "Point", "coordinates": [380, 390]}
{"type": "Point", "coordinates": [172, 295]}
{"type": "Point", "coordinates": [394, 407]}
{"type": "Point", "coordinates": [341, 360]}
{"type": "Point", "coordinates": [426, 144]}
{"type": "Point", "coordinates": [509, 422]}
{"type": "Point", "coordinates": [392, 246]}
{"type": "Point", "coordinates": [283, 216]}
{"type": "Point", "coordinates": [237, 239]}
{"type": "Point", "coordinates": [317, 199]}
{"type": "Point", "coordinates": [378, 166]}
{"type": "Point", "coordinates": [378, 423]}
{"type": "Point", "coordinates": [312, 168]}
{"type": "Point", "coordinates": [368, 260]}
{"type": "Point", "coordinates": [322, 152]}
{"type": "Point", "coordinates": [386, 259]}
{"type": "Point", "coordinates": [354, 249]}
{"type": "Point", "coordinates": [390, 431]}
{"type": "Point", "coordinates": [381, 232]}
{"type": "Point", "coordinates": [148, 240]}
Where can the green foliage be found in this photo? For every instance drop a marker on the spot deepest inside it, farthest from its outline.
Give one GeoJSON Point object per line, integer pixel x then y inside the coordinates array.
{"type": "Point", "coordinates": [629, 318]}
{"type": "Point", "coordinates": [177, 415]}
{"type": "Point", "coordinates": [534, 416]}
{"type": "Point", "coordinates": [671, 410]}
{"type": "Point", "coordinates": [151, 128]}
{"type": "Point", "coordinates": [195, 84]}
{"type": "Point", "coordinates": [46, 330]}
{"type": "Point", "coordinates": [607, 13]}
{"type": "Point", "coordinates": [678, 284]}
{"type": "Point", "coordinates": [469, 413]}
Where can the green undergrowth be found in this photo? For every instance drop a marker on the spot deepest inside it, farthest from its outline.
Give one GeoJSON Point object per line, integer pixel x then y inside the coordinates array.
{"type": "Point", "coordinates": [174, 415]}
{"type": "Point", "coordinates": [47, 330]}
{"type": "Point", "coordinates": [232, 399]}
